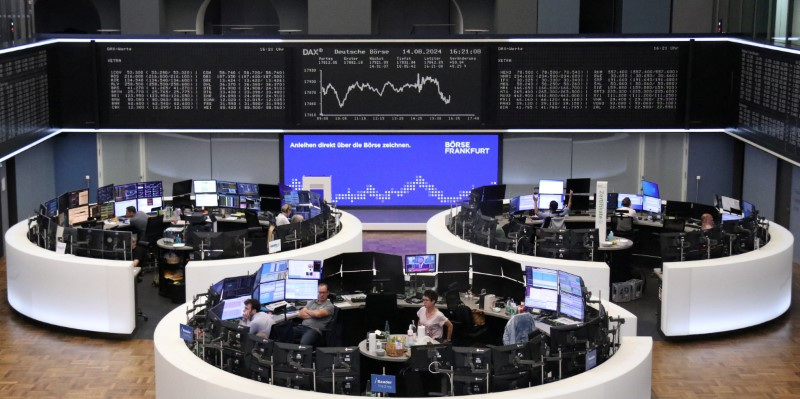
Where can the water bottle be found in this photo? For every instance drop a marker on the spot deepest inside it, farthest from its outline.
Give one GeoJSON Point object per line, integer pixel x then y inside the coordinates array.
{"type": "Point", "coordinates": [386, 328]}
{"type": "Point", "coordinates": [610, 236]}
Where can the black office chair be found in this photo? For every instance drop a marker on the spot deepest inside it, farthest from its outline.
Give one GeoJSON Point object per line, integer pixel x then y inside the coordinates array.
{"type": "Point", "coordinates": [674, 225]}
{"type": "Point", "coordinates": [332, 333]}
{"type": "Point", "coordinates": [253, 224]}
{"type": "Point", "coordinates": [149, 238]}
{"type": "Point", "coordinates": [378, 309]}
{"type": "Point", "coordinates": [622, 225]}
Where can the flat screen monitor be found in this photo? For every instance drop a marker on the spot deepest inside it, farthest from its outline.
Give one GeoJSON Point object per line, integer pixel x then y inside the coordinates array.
{"type": "Point", "coordinates": [678, 209]}
{"type": "Point", "coordinates": [78, 198]}
{"type": "Point", "coordinates": [471, 360]}
{"type": "Point", "coordinates": [747, 208]}
{"type": "Point", "coordinates": [149, 189]}
{"type": "Point", "coordinates": [250, 189]}
{"type": "Point", "coordinates": [729, 204]}
{"type": "Point", "coordinates": [269, 191]}
{"type": "Point", "coordinates": [651, 204]}
{"type": "Point", "coordinates": [273, 271]}
{"type": "Point", "coordinates": [338, 358]}
{"type": "Point", "coordinates": [204, 186]}
{"type": "Point", "coordinates": [270, 205]}
{"type": "Point", "coordinates": [545, 199]}
{"type": "Point", "coordinates": [423, 355]}
{"type": "Point", "coordinates": [571, 306]}
{"type": "Point", "coordinates": [147, 204]}
{"type": "Point", "coordinates": [551, 186]}
{"type": "Point", "coordinates": [699, 209]}
{"type": "Point", "coordinates": [233, 307]}
{"type": "Point", "coordinates": [425, 263]}
{"type": "Point", "coordinates": [78, 214]}
{"type": "Point", "coordinates": [541, 278]}
{"type": "Point", "coordinates": [105, 194]}
{"type": "Point", "coordinates": [182, 187]}
{"type": "Point", "coordinates": [650, 189]}
{"type": "Point", "coordinates": [226, 187]}
{"type": "Point", "coordinates": [612, 201]}
{"type": "Point", "coordinates": [493, 284]}
{"type": "Point", "coordinates": [494, 192]}
{"type": "Point", "coordinates": [524, 203]}
{"type": "Point", "coordinates": [51, 207]}
{"type": "Point", "coordinates": [505, 358]}
{"type": "Point", "coordinates": [290, 357]}
{"type": "Point", "coordinates": [541, 298]}
{"type": "Point", "coordinates": [227, 201]}
{"type": "Point", "coordinates": [63, 203]}
{"type": "Point", "coordinates": [580, 202]}
{"type": "Point", "coordinates": [272, 291]}
{"type": "Point", "coordinates": [305, 269]}
{"type": "Point", "coordinates": [107, 210]}
{"type": "Point", "coordinates": [579, 185]}
{"type": "Point", "coordinates": [209, 200]}
{"type": "Point", "coordinates": [249, 202]}
{"type": "Point", "coordinates": [569, 283]}
{"type": "Point", "coordinates": [636, 200]}
{"type": "Point", "coordinates": [292, 198]}
{"type": "Point", "coordinates": [125, 192]}
{"type": "Point", "coordinates": [299, 289]}
{"type": "Point", "coordinates": [121, 206]}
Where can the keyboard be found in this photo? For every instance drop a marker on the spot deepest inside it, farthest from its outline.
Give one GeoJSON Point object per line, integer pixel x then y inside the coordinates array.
{"type": "Point", "coordinates": [355, 298]}
{"type": "Point", "coordinates": [274, 305]}
{"type": "Point", "coordinates": [565, 321]}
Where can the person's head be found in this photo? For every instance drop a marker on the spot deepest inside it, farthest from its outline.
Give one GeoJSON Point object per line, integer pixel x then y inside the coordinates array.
{"type": "Point", "coordinates": [626, 202]}
{"type": "Point", "coordinates": [297, 219]}
{"type": "Point", "coordinates": [133, 241]}
{"type": "Point", "coordinates": [251, 307]}
{"type": "Point", "coordinates": [286, 209]}
{"type": "Point", "coordinates": [429, 298]}
{"type": "Point", "coordinates": [130, 211]}
{"type": "Point", "coordinates": [322, 292]}
{"type": "Point", "coordinates": [707, 220]}
{"type": "Point", "coordinates": [553, 206]}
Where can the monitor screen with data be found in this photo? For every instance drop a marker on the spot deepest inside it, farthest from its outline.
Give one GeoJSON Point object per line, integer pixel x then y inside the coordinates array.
{"type": "Point", "coordinates": [273, 271]}
{"type": "Point", "coordinates": [551, 186]}
{"type": "Point", "coordinates": [305, 269]}
{"type": "Point", "coordinates": [650, 189]}
{"type": "Point", "coordinates": [209, 200]}
{"type": "Point", "coordinates": [541, 298]}
{"type": "Point", "coordinates": [637, 201]}
{"type": "Point", "coordinates": [571, 306]}
{"type": "Point", "coordinates": [204, 186]}
{"type": "Point", "coordinates": [651, 204]}
{"type": "Point", "coordinates": [300, 289]}
{"type": "Point", "coordinates": [121, 206]}
{"type": "Point", "coordinates": [272, 291]}
{"type": "Point", "coordinates": [541, 277]}
{"type": "Point", "coordinates": [233, 307]}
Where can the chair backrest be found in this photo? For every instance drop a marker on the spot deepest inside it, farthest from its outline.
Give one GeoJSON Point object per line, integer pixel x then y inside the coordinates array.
{"type": "Point", "coordinates": [674, 225]}
{"type": "Point", "coordinates": [154, 229]}
{"type": "Point", "coordinates": [252, 219]}
{"type": "Point", "coordinates": [546, 222]}
{"type": "Point", "coordinates": [332, 333]}
{"type": "Point", "coordinates": [622, 223]}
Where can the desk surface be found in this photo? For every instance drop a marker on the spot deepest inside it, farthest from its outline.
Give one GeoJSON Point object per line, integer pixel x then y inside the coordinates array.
{"type": "Point", "coordinates": [163, 245]}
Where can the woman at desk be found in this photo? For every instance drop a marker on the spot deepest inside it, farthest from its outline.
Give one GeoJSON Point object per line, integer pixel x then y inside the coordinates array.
{"type": "Point", "coordinates": [432, 319]}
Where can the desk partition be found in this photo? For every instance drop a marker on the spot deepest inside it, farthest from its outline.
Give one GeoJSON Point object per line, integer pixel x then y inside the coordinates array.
{"type": "Point", "coordinates": [66, 290]}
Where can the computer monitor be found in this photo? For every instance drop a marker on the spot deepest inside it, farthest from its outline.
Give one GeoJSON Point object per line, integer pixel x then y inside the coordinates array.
{"type": "Point", "coordinates": [272, 291]}
{"type": "Point", "coordinates": [505, 357]}
{"type": "Point", "coordinates": [234, 287]}
{"type": "Point", "coordinates": [728, 204]}
{"type": "Point", "coordinates": [651, 204]}
{"type": "Point", "coordinates": [492, 284]}
{"type": "Point", "coordinates": [540, 277]}
{"type": "Point", "coordinates": [578, 186]}
{"type": "Point", "coordinates": [149, 189]}
{"type": "Point", "coordinates": [120, 207]}
{"type": "Point", "coordinates": [105, 194]}
{"type": "Point", "coordinates": [425, 263]}
{"type": "Point", "coordinates": [650, 189]}
{"type": "Point", "coordinates": [226, 187]}
{"type": "Point", "coordinates": [182, 187]}
{"type": "Point", "coordinates": [147, 204]}
{"type": "Point", "coordinates": [495, 192]}
{"type": "Point", "coordinates": [271, 205]}
{"type": "Point", "coordinates": [291, 357]}
{"type": "Point", "coordinates": [570, 283]}
{"type": "Point", "coordinates": [300, 289]}
{"type": "Point", "coordinates": [250, 189]}
{"type": "Point", "coordinates": [580, 202]}
{"type": "Point", "coordinates": [338, 358]}
{"type": "Point", "coordinates": [125, 192]}
{"type": "Point", "coordinates": [747, 209]}
{"type": "Point", "coordinates": [106, 210]}
{"type": "Point", "coordinates": [472, 360]}
{"type": "Point", "coordinates": [117, 244]}
{"type": "Point", "coordinates": [423, 355]}
{"type": "Point", "coordinates": [347, 383]}
{"type": "Point", "coordinates": [520, 204]}
{"type": "Point", "coordinates": [678, 209]}
{"type": "Point", "coordinates": [269, 191]}
{"type": "Point", "coordinates": [612, 201]}
{"type": "Point", "coordinates": [233, 307]}
{"type": "Point", "coordinates": [545, 199]}
{"type": "Point", "coordinates": [78, 198]}
{"type": "Point", "coordinates": [63, 202]}
{"type": "Point", "coordinates": [541, 298]}
{"type": "Point", "coordinates": [51, 207]}
{"type": "Point", "coordinates": [228, 201]}
{"type": "Point", "coordinates": [204, 186]}
{"type": "Point", "coordinates": [636, 200]}
{"type": "Point", "coordinates": [551, 186]}
{"type": "Point", "coordinates": [273, 271]}
{"type": "Point", "coordinates": [305, 270]}
{"type": "Point", "coordinates": [571, 306]}
{"type": "Point", "coordinates": [205, 200]}
{"type": "Point", "coordinates": [78, 214]}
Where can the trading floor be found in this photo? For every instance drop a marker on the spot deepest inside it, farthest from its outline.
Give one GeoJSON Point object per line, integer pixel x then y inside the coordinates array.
{"type": "Point", "coordinates": [42, 361]}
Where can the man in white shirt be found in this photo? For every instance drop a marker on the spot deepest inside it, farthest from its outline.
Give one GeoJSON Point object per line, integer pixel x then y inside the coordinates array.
{"type": "Point", "coordinates": [626, 207]}
{"type": "Point", "coordinates": [283, 217]}
{"type": "Point", "coordinates": [260, 323]}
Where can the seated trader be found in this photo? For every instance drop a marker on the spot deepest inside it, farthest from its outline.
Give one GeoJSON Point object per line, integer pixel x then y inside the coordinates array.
{"type": "Point", "coordinates": [316, 315]}
{"type": "Point", "coordinates": [138, 219]}
{"type": "Point", "coordinates": [556, 217]}
{"type": "Point", "coordinates": [706, 222]}
{"type": "Point", "coordinates": [626, 207]}
{"type": "Point", "coordinates": [260, 323]}
{"type": "Point", "coordinates": [283, 216]}
{"type": "Point", "coordinates": [432, 318]}
{"type": "Point", "coordinates": [297, 218]}
{"type": "Point", "coordinates": [138, 254]}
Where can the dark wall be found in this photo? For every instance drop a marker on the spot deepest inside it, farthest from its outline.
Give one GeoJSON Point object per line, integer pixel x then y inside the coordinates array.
{"type": "Point", "coordinates": [75, 157]}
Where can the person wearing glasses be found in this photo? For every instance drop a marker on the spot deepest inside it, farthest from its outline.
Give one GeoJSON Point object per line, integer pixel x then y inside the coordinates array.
{"type": "Point", "coordinates": [316, 315]}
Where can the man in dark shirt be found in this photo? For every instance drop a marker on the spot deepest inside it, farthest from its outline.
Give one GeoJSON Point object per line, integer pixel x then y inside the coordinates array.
{"type": "Point", "coordinates": [316, 315]}
{"type": "Point", "coordinates": [138, 254]}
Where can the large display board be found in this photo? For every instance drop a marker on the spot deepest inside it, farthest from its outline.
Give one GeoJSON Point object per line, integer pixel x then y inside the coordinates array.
{"type": "Point", "coordinates": [372, 84]}
{"type": "Point", "coordinates": [393, 170]}
{"type": "Point", "coordinates": [24, 88]}
{"type": "Point", "coordinates": [590, 84]}
{"type": "Point", "coordinates": [192, 85]}
{"type": "Point", "coordinates": [769, 99]}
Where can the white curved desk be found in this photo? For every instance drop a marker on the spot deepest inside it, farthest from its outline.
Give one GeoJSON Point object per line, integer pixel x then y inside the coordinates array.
{"type": "Point", "coordinates": [596, 275]}
{"type": "Point", "coordinates": [180, 374]}
{"type": "Point", "coordinates": [66, 290]}
{"type": "Point", "coordinates": [724, 294]}
{"type": "Point", "coordinates": [202, 274]}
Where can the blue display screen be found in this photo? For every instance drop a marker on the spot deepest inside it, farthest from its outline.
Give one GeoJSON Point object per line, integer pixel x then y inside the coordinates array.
{"type": "Point", "coordinates": [393, 170]}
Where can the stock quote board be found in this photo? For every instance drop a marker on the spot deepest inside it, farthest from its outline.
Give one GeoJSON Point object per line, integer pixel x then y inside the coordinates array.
{"type": "Point", "coordinates": [769, 99]}
{"type": "Point", "coordinates": [373, 84]}
{"type": "Point", "coordinates": [24, 95]}
{"type": "Point", "coordinates": [192, 85]}
{"type": "Point", "coordinates": [599, 84]}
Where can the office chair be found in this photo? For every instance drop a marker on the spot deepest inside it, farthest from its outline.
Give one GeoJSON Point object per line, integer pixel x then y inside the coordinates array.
{"type": "Point", "coordinates": [253, 224]}
{"type": "Point", "coordinates": [152, 233]}
{"type": "Point", "coordinates": [674, 225]}
{"type": "Point", "coordinates": [622, 225]}
{"type": "Point", "coordinates": [465, 332]}
{"type": "Point", "coordinates": [332, 333]}
{"type": "Point", "coordinates": [380, 308]}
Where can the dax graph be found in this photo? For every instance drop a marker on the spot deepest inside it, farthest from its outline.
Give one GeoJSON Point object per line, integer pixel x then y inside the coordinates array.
{"type": "Point", "coordinates": [419, 86]}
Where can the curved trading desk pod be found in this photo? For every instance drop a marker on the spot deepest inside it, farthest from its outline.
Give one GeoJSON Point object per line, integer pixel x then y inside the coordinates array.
{"type": "Point", "coordinates": [66, 290]}
{"type": "Point", "coordinates": [203, 274]}
{"type": "Point", "coordinates": [724, 294]}
{"type": "Point", "coordinates": [595, 275]}
{"type": "Point", "coordinates": [181, 374]}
